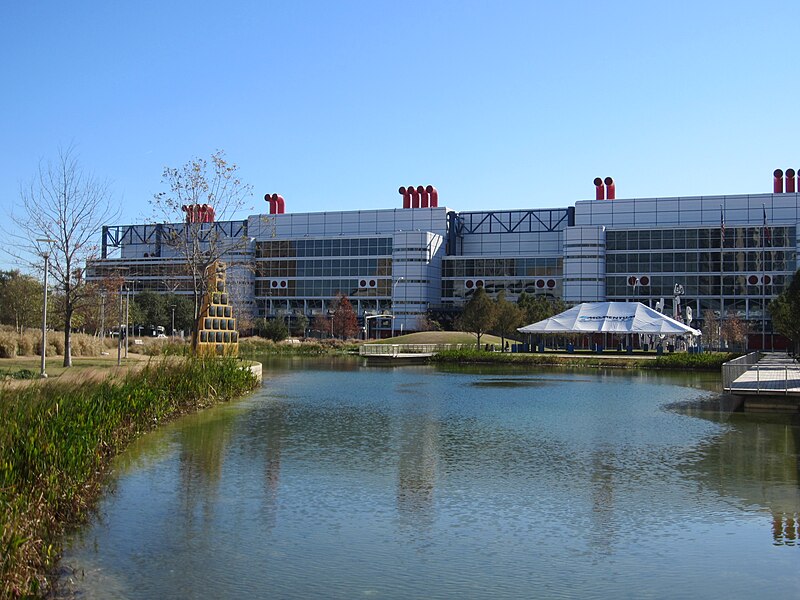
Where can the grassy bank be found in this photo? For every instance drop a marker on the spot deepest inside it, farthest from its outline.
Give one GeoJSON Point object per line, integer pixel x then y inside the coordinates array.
{"type": "Point", "coordinates": [56, 439]}
{"type": "Point", "coordinates": [254, 346]}
{"type": "Point", "coordinates": [709, 361]}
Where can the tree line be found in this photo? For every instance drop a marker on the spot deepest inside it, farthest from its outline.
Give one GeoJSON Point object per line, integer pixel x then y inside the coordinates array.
{"type": "Point", "coordinates": [482, 314]}
{"type": "Point", "coordinates": [21, 298]}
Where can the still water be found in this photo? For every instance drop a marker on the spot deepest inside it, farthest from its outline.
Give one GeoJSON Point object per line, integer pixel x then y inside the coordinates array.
{"type": "Point", "coordinates": [337, 480]}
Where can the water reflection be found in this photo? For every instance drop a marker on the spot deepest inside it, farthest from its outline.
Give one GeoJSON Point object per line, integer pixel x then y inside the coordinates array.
{"type": "Point", "coordinates": [416, 470]}
{"type": "Point", "coordinates": [346, 481]}
{"type": "Point", "coordinates": [757, 462]}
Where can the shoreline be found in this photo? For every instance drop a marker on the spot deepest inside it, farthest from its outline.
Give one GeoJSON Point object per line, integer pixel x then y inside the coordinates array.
{"type": "Point", "coordinates": [710, 361]}
{"type": "Point", "coordinates": [57, 441]}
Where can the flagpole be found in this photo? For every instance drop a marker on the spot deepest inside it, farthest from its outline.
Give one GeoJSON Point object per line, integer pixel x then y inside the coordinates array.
{"type": "Point", "coordinates": [763, 284]}
{"type": "Point", "coordinates": [721, 270]}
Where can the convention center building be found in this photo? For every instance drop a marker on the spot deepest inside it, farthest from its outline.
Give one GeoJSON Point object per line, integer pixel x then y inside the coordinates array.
{"type": "Point", "coordinates": [709, 254]}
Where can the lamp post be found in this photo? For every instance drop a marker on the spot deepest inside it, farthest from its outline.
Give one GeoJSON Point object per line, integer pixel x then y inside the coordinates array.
{"type": "Point", "coordinates": [394, 292]}
{"type": "Point", "coordinates": [46, 256]}
{"type": "Point", "coordinates": [119, 326]}
{"type": "Point", "coordinates": [127, 314]}
{"type": "Point", "coordinates": [103, 315]}
{"type": "Point", "coordinates": [172, 306]}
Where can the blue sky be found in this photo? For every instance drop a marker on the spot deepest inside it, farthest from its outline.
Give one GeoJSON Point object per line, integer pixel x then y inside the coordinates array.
{"type": "Point", "coordinates": [336, 104]}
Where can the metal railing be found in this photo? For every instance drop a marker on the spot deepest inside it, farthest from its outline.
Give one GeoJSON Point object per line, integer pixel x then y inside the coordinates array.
{"type": "Point", "coordinates": [396, 349]}
{"type": "Point", "coordinates": [775, 374]}
{"type": "Point", "coordinates": [737, 367]}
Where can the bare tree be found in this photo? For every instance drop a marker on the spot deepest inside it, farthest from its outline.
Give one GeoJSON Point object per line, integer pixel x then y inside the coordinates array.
{"type": "Point", "coordinates": [66, 206]}
{"type": "Point", "coordinates": [199, 194]}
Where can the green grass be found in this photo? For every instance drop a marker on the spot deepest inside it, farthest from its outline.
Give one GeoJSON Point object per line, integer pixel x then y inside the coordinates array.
{"type": "Point", "coordinates": [9, 367]}
{"type": "Point", "coordinates": [56, 438]}
{"type": "Point", "coordinates": [709, 361]}
{"type": "Point", "coordinates": [440, 337]}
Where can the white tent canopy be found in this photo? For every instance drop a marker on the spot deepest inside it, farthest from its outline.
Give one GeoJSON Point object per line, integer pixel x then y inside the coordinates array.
{"type": "Point", "coordinates": [611, 317]}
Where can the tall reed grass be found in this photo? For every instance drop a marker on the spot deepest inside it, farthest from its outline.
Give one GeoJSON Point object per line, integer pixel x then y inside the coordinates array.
{"type": "Point", "coordinates": [56, 440]}
{"type": "Point", "coordinates": [29, 343]}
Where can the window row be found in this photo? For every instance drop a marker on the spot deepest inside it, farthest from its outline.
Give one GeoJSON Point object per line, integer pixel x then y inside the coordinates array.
{"type": "Point", "coordinates": [502, 267]}
{"type": "Point", "coordinates": [707, 237]}
{"type": "Point", "coordinates": [352, 267]}
{"type": "Point", "coordinates": [461, 289]}
{"type": "Point", "coordinates": [694, 285]}
{"type": "Point", "coordinates": [326, 247]}
{"type": "Point", "coordinates": [324, 288]}
{"type": "Point", "coordinates": [700, 262]}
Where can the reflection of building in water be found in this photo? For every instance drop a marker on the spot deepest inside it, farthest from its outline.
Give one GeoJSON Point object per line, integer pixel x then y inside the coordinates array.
{"type": "Point", "coordinates": [274, 433]}
{"type": "Point", "coordinates": [417, 467]}
{"type": "Point", "coordinates": [758, 463]}
{"type": "Point", "coordinates": [275, 430]}
{"type": "Point", "coordinates": [201, 455]}
{"type": "Point", "coordinates": [602, 470]}
{"type": "Point", "coordinates": [785, 528]}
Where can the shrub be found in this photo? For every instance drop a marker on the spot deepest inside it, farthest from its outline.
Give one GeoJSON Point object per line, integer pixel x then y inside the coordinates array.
{"type": "Point", "coordinates": [8, 344]}
{"type": "Point", "coordinates": [26, 343]}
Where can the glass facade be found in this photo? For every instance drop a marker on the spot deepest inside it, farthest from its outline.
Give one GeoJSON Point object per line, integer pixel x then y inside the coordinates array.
{"type": "Point", "coordinates": [754, 263]}
{"type": "Point", "coordinates": [290, 269]}
{"type": "Point", "coordinates": [510, 275]}
{"type": "Point", "coordinates": [325, 247]}
{"type": "Point", "coordinates": [502, 267]}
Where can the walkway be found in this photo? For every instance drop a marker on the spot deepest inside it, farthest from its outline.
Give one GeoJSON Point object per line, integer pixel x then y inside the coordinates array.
{"type": "Point", "coordinates": [773, 373]}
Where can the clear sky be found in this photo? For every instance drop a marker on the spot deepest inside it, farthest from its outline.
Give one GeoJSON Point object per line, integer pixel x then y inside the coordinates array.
{"type": "Point", "coordinates": [515, 104]}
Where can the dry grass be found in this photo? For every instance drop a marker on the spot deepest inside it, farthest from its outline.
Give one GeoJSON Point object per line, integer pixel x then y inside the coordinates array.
{"type": "Point", "coordinates": [29, 343]}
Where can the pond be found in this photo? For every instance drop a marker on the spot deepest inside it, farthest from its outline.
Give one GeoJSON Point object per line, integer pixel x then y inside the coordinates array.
{"type": "Point", "coordinates": [337, 480]}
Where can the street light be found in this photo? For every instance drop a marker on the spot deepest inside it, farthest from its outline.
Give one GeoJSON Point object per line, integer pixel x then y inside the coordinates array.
{"type": "Point", "coordinates": [127, 314]}
{"type": "Point", "coordinates": [119, 319]}
{"type": "Point", "coordinates": [46, 256]}
{"type": "Point", "coordinates": [367, 318]}
{"type": "Point", "coordinates": [172, 306]}
{"type": "Point", "coordinates": [394, 291]}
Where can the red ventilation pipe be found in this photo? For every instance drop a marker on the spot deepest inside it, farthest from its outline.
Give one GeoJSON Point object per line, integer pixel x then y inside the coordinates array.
{"type": "Point", "coordinates": [414, 197]}
{"type": "Point", "coordinates": [790, 181]}
{"type": "Point", "coordinates": [423, 196]}
{"type": "Point", "coordinates": [280, 204]}
{"type": "Point", "coordinates": [433, 196]}
{"type": "Point", "coordinates": [611, 190]}
{"type": "Point", "coordinates": [599, 190]}
{"type": "Point", "coordinates": [268, 198]}
{"type": "Point", "coordinates": [406, 197]}
{"type": "Point", "coordinates": [211, 214]}
{"type": "Point", "coordinates": [777, 181]}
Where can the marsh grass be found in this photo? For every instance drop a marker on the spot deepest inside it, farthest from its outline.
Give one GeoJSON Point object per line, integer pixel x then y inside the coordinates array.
{"type": "Point", "coordinates": [57, 437]}
{"type": "Point", "coordinates": [29, 343]}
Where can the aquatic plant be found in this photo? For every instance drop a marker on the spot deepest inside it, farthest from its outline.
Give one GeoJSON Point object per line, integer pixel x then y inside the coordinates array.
{"type": "Point", "coordinates": [56, 440]}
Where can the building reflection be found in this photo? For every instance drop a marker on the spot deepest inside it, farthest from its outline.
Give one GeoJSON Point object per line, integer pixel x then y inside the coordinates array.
{"type": "Point", "coordinates": [756, 461]}
{"type": "Point", "coordinates": [200, 459]}
{"type": "Point", "coordinates": [416, 471]}
{"type": "Point", "coordinates": [785, 528]}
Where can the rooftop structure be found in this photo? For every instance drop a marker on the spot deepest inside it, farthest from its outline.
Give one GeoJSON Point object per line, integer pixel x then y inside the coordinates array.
{"type": "Point", "coordinates": [711, 254]}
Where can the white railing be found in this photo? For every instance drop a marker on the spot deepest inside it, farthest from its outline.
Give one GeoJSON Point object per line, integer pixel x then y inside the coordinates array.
{"type": "Point", "coordinates": [737, 367]}
{"type": "Point", "coordinates": [396, 349]}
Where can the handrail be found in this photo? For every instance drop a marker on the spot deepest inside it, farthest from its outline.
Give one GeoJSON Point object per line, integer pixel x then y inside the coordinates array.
{"type": "Point", "coordinates": [737, 367]}
{"type": "Point", "coordinates": [395, 349]}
